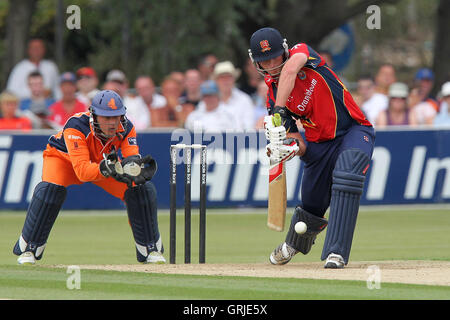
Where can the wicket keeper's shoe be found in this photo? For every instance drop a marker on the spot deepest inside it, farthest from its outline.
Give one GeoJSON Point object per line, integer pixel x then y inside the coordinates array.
{"type": "Point", "coordinates": [282, 254]}
{"type": "Point", "coordinates": [155, 257]}
{"type": "Point", "coordinates": [26, 258]}
{"type": "Point", "coordinates": [334, 261]}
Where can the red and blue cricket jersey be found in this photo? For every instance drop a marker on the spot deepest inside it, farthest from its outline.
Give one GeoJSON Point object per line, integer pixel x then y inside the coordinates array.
{"type": "Point", "coordinates": [319, 99]}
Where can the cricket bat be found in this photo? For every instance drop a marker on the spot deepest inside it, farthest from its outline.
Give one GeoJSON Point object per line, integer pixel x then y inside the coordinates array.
{"type": "Point", "coordinates": [276, 215]}
{"type": "Point", "coordinates": [277, 197]}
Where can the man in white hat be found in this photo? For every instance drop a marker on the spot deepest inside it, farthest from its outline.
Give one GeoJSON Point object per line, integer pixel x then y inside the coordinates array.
{"type": "Point", "coordinates": [234, 100]}
{"type": "Point", "coordinates": [118, 82]}
{"type": "Point", "coordinates": [213, 117]}
{"type": "Point", "coordinates": [443, 118]}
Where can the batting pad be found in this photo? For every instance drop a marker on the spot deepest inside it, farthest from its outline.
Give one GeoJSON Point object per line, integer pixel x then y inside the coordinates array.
{"type": "Point", "coordinates": [347, 187]}
{"type": "Point", "coordinates": [315, 225]}
{"type": "Point", "coordinates": [142, 214]}
{"type": "Point", "coordinates": [42, 212]}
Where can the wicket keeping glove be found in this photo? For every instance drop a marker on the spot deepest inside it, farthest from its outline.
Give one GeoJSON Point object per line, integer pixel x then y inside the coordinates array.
{"type": "Point", "coordinates": [138, 169]}
{"type": "Point", "coordinates": [110, 166]}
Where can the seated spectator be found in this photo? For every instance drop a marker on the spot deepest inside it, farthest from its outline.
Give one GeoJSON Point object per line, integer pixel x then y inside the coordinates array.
{"type": "Point", "coordinates": [214, 116]}
{"type": "Point", "coordinates": [252, 80]}
{"type": "Point", "coordinates": [86, 84]}
{"type": "Point", "coordinates": [328, 57]}
{"type": "Point", "coordinates": [10, 119]}
{"type": "Point", "coordinates": [179, 77]}
{"type": "Point", "coordinates": [116, 79]}
{"type": "Point", "coordinates": [192, 94]}
{"type": "Point", "coordinates": [37, 90]}
{"type": "Point", "coordinates": [144, 110]}
{"type": "Point", "coordinates": [443, 118]}
{"type": "Point", "coordinates": [206, 66]}
{"type": "Point", "coordinates": [384, 78]}
{"type": "Point", "coordinates": [397, 112]}
{"type": "Point", "coordinates": [69, 105]}
{"type": "Point", "coordinates": [372, 103]}
{"type": "Point", "coordinates": [109, 85]}
{"type": "Point", "coordinates": [174, 114]}
{"type": "Point", "coordinates": [424, 81]}
{"type": "Point", "coordinates": [38, 114]}
{"type": "Point", "coordinates": [17, 81]}
{"type": "Point", "coordinates": [424, 111]}
{"type": "Point", "coordinates": [237, 102]}
{"type": "Point", "coordinates": [260, 105]}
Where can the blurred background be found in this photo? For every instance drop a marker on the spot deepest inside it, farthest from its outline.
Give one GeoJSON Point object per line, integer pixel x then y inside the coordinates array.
{"type": "Point", "coordinates": [159, 37]}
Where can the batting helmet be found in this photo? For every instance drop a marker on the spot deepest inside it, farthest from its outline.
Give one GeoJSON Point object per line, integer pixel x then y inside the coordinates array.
{"type": "Point", "coordinates": [265, 44]}
{"type": "Point", "coordinates": [106, 103]}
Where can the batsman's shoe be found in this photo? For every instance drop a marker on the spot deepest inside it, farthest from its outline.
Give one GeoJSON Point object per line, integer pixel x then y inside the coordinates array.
{"type": "Point", "coordinates": [155, 257]}
{"type": "Point", "coordinates": [26, 258]}
{"type": "Point", "coordinates": [334, 261]}
{"type": "Point", "coordinates": [282, 254]}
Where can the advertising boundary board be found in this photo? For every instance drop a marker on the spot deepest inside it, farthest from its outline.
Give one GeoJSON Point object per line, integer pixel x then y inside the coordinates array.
{"type": "Point", "coordinates": [408, 167]}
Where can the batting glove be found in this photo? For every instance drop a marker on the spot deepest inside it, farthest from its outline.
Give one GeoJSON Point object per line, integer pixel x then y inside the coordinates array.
{"type": "Point", "coordinates": [282, 152]}
{"type": "Point", "coordinates": [268, 124]}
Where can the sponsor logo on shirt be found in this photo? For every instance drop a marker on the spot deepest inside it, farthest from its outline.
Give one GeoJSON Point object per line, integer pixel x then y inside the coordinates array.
{"type": "Point", "coordinates": [308, 93]}
{"type": "Point", "coordinates": [132, 141]}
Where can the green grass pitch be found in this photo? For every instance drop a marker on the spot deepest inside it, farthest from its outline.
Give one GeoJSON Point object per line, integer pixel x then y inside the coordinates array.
{"type": "Point", "coordinates": [233, 236]}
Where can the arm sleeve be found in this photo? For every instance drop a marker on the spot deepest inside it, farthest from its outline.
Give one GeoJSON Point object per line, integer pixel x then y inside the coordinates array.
{"type": "Point", "coordinates": [314, 59]}
{"type": "Point", "coordinates": [78, 150]}
{"type": "Point", "coordinates": [129, 144]}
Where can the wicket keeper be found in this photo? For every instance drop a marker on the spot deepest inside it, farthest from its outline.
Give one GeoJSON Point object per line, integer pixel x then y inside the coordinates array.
{"type": "Point", "coordinates": [86, 151]}
{"type": "Point", "coordinates": [340, 142]}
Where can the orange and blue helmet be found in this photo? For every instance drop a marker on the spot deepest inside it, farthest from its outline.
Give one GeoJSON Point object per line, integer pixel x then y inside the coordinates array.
{"type": "Point", "coordinates": [106, 103]}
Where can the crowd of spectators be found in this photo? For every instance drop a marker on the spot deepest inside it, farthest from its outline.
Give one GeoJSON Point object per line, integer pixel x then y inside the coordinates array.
{"type": "Point", "coordinates": [388, 102]}
{"type": "Point", "coordinates": [214, 95]}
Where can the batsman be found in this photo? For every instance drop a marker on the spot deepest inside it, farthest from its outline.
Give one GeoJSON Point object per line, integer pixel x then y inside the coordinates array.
{"type": "Point", "coordinates": [338, 148]}
{"type": "Point", "coordinates": [86, 150]}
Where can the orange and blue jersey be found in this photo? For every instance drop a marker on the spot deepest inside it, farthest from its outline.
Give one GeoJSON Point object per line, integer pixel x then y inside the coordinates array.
{"type": "Point", "coordinates": [319, 99]}
{"type": "Point", "coordinates": [81, 150]}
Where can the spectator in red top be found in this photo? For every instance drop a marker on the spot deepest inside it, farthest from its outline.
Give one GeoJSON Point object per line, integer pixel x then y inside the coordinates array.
{"type": "Point", "coordinates": [63, 109]}
{"type": "Point", "coordinates": [10, 120]}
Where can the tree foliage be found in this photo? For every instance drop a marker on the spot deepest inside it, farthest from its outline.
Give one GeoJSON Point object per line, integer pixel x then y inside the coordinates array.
{"type": "Point", "coordinates": [156, 37]}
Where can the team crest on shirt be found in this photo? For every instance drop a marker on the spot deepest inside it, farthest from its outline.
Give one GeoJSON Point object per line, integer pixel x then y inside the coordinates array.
{"type": "Point", "coordinates": [265, 46]}
{"type": "Point", "coordinates": [302, 75]}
